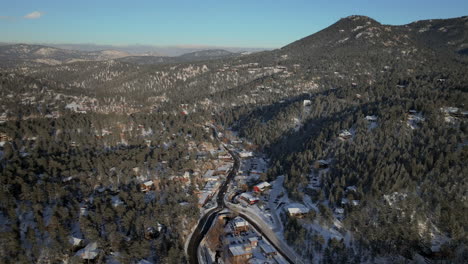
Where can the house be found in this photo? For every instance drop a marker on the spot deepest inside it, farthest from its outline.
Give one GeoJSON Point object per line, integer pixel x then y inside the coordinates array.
{"type": "Point", "coordinates": [208, 176]}
{"type": "Point", "coordinates": [245, 154]}
{"type": "Point", "coordinates": [339, 211]}
{"type": "Point", "coordinates": [345, 135]}
{"type": "Point", "coordinates": [147, 186]}
{"type": "Point", "coordinates": [253, 242]}
{"type": "Point", "coordinates": [239, 225]}
{"type": "Point", "coordinates": [223, 169]}
{"type": "Point", "coordinates": [371, 118]}
{"type": "Point", "coordinates": [261, 187]}
{"type": "Point", "coordinates": [225, 157]}
{"type": "Point", "coordinates": [298, 211]}
{"type": "Point", "coordinates": [89, 252]}
{"type": "Point", "coordinates": [239, 254]}
{"type": "Point", "coordinates": [249, 198]}
{"type": "Point", "coordinates": [76, 242]}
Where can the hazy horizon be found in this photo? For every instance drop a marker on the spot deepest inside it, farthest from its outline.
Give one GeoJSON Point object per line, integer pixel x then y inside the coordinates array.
{"type": "Point", "coordinates": [241, 24]}
{"type": "Point", "coordinates": [142, 49]}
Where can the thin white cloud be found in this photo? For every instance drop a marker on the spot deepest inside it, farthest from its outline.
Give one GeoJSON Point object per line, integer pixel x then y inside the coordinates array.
{"type": "Point", "coordinates": [34, 15]}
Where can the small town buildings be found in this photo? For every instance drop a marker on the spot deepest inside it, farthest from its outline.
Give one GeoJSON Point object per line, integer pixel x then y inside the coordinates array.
{"type": "Point", "coordinates": [261, 187]}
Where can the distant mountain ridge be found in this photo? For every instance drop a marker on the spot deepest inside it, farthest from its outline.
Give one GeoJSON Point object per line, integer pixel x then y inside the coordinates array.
{"type": "Point", "coordinates": [203, 55]}
{"type": "Point", "coordinates": [37, 54]}
{"type": "Point", "coordinates": [26, 54]}
{"type": "Point", "coordinates": [360, 33]}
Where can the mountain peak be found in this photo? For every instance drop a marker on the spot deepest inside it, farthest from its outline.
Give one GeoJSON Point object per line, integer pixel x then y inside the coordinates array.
{"type": "Point", "coordinates": [358, 19]}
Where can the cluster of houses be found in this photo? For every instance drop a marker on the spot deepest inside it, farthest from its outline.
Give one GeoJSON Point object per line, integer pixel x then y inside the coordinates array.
{"type": "Point", "coordinates": [251, 169]}
{"type": "Point", "coordinates": [242, 244]}
{"type": "Point", "coordinates": [349, 200]}
{"type": "Point", "coordinates": [252, 198]}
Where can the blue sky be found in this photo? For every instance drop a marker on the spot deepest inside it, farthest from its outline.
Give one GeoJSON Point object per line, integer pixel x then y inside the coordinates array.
{"type": "Point", "coordinates": [240, 23]}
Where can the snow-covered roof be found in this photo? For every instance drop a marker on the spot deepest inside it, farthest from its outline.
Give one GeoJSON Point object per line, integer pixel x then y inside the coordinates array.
{"type": "Point", "coordinates": [298, 210]}
{"type": "Point", "coordinates": [237, 250]}
{"type": "Point", "coordinates": [89, 252]}
{"type": "Point", "coordinates": [248, 196]}
{"type": "Point", "coordinates": [208, 173]}
{"type": "Point", "coordinates": [253, 239]}
{"type": "Point", "coordinates": [339, 210]}
{"type": "Point", "coordinates": [75, 241]}
{"type": "Point", "coordinates": [144, 261]}
{"type": "Point", "coordinates": [148, 183]}
{"type": "Point", "coordinates": [371, 118]}
{"type": "Point", "coordinates": [263, 185]}
{"type": "Point", "coordinates": [449, 109]}
{"type": "Point", "coordinates": [268, 249]}
{"type": "Point", "coordinates": [345, 133]}
{"type": "Point", "coordinates": [245, 154]}
{"type": "Point", "coordinates": [240, 222]}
